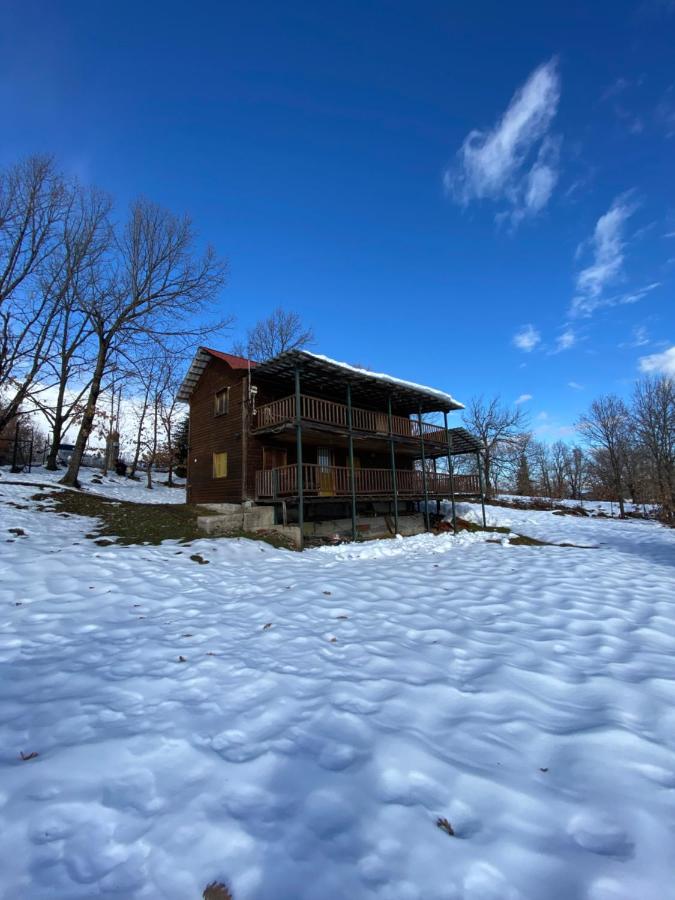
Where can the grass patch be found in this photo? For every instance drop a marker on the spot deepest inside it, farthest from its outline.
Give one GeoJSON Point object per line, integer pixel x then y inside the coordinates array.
{"type": "Point", "coordinates": [123, 522]}
{"type": "Point", "coordinates": [466, 525]}
{"type": "Point", "coordinates": [523, 540]}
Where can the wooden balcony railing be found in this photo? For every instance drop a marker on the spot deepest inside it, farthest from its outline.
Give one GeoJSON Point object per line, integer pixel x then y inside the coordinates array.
{"type": "Point", "coordinates": [334, 481]}
{"type": "Point", "coordinates": [326, 412]}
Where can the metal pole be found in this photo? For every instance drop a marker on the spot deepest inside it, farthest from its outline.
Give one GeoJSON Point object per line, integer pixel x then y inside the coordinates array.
{"type": "Point", "coordinates": [451, 473]}
{"type": "Point", "coordinates": [30, 452]}
{"type": "Point", "coordinates": [482, 489]}
{"type": "Point", "coordinates": [298, 451]}
{"type": "Point", "coordinates": [393, 464]}
{"type": "Point", "coordinates": [351, 459]}
{"type": "Point", "coordinates": [424, 469]}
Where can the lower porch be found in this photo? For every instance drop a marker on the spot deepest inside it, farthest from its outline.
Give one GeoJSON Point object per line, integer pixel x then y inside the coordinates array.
{"type": "Point", "coordinates": [335, 481]}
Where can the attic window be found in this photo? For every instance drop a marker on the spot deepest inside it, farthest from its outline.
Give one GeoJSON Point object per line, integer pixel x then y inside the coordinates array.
{"type": "Point", "coordinates": [221, 404]}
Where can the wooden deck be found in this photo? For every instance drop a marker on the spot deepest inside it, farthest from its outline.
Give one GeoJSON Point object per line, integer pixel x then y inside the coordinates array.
{"type": "Point", "coordinates": [335, 481]}
{"type": "Point", "coordinates": [326, 412]}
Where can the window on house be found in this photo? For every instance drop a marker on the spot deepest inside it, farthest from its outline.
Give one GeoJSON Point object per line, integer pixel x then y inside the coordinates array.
{"type": "Point", "coordinates": [221, 402]}
{"type": "Point", "coordinates": [220, 465]}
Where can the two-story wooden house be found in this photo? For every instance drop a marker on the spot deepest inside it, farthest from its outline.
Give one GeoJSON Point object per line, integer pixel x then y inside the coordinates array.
{"type": "Point", "coordinates": [319, 439]}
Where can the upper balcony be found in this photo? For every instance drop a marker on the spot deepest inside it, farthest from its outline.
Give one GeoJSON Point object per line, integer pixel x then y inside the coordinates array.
{"type": "Point", "coordinates": [334, 417]}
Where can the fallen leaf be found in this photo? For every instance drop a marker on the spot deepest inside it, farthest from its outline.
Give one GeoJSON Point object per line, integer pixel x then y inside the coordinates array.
{"type": "Point", "coordinates": [445, 826]}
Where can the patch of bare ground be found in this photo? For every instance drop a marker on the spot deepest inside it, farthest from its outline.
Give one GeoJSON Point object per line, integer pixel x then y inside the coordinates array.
{"type": "Point", "coordinates": [217, 891]}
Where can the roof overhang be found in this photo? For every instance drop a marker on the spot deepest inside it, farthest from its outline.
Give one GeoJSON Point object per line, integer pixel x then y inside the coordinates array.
{"type": "Point", "coordinates": [201, 359]}
{"type": "Point", "coordinates": [319, 373]}
{"type": "Point", "coordinates": [463, 442]}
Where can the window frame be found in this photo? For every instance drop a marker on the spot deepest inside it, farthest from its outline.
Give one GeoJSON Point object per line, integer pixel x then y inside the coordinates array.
{"type": "Point", "coordinates": [223, 392]}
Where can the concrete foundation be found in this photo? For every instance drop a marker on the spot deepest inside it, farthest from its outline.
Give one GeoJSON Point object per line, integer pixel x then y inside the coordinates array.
{"type": "Point", "coordinates": [227, 518]}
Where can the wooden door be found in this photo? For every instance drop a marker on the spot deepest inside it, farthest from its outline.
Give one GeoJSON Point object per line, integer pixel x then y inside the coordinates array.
{"type": "Point", "coordinates": [274, 457]}
{"type": "Point", "coordinates": [326, 462]}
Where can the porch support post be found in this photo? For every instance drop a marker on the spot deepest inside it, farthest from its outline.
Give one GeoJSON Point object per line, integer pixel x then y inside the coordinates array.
{"type": "Point", "coordinates": [392, 453]}
{"type": "Point", "coordinates": [482, 486]}
{"type": "Point", "coordinates": [352, 480]}
{"type": "Point", "coordinates": [424, 469]}
{"type": "Point", "coordinates": [451, 473]}
{"type": "Point", "coordinates": [298, 451]}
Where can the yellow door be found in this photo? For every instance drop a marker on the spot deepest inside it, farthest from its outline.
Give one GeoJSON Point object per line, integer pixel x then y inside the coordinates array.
{"type": "Point", "coordinates": [324, 458]}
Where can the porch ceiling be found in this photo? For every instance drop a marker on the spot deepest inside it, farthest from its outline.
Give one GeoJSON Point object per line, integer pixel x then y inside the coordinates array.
{"type": "Point", "coordinates": [461, 441]}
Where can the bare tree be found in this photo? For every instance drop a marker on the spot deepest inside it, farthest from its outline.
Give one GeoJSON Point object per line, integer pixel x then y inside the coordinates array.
{"type": "Point", "coordinates": [606, 428]}
{"type": "Point", "coordinates": [654, 419]}
{"type": "Point", "coordinates": [499, 430]}
{"type": "Point", "coordinates": [33, 200]}
{"type": "Point", "coordinates": [523, 478]}
{"type": "Point", "coordinates": [65, 379]}
{"type": "Point", "coordinates": [153, 290]}
{"type": "Point", "coordinates": [157, 380]}
{"type": "Point", "coordinates": [279, 332]}
{"type": "Point", "coordinates": [541, 465]}
{"type": "Point", "coordinates": [576, 470]}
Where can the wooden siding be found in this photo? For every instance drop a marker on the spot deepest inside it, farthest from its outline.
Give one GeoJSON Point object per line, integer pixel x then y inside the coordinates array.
{"type": "Point", "coordinates": [211, 434]}
{"type": "Point", "coordinates": [232, 433]}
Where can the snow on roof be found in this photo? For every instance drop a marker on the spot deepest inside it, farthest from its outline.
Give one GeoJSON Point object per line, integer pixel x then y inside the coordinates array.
{"type": "Point", "coordinates": [284, 361]}
{"type": "Point", "coordinates": [381, 376]}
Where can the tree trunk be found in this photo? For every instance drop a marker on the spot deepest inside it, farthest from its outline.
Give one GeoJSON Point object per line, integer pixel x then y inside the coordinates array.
{"type": "Point", "coordinates": [487, 474]}
{"type": "Point", "coordinates": [57, 429]}
{"type": "Point", "coordinates": [71, 476]}
{"type": "Point", "coordinates": [139, 437]}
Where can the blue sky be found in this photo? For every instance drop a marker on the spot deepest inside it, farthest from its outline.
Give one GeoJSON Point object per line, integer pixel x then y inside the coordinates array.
{"type": "Point", "coordinates": [477, 197]}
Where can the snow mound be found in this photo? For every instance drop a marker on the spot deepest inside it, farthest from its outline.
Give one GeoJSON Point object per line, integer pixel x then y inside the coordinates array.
{"type": "Point", "coordinates": [304, 725]}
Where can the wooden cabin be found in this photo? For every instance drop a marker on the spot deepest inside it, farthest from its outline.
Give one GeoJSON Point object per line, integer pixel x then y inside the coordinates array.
{"type": "Point", "coordinates": [318, 438]}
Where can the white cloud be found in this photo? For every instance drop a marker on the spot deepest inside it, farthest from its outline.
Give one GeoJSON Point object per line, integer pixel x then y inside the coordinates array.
{"type": "Point", "coordinates": [606, 269]}
{"type": "Point", "coordinates": [497, 164]}
{"type": "Point", "coordinates": [659, 363]}
{"type": "Point", "coordinates": [527, 338]}
{"type": "Point", "coordinates": [608, 256]}
{"type": "Point", "coordinates": [565, 340]}
{"type": "Point", "coordinates": [640, 338]}
{"type": "Point", "coordinates": [523, 399]}
{"type": "Point", "coordinates": [575, 385]}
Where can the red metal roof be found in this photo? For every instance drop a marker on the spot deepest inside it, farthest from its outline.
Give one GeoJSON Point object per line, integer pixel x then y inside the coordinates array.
{"type": "Point", "coordinates": [236, 362]}
{"type": "Point", "coordinates": [200, 362]}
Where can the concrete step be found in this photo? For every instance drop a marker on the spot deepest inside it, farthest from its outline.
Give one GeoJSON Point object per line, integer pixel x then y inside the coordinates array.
{"type": "Point", "coordinates": [229, 517]}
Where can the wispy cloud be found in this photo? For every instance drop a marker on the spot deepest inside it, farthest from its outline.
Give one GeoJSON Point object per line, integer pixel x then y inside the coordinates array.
{"type": "Point", "coordinates": [640, 338]}
{"type": "Point", "coordinates": [498, 164]}
{"type": "Point", "coordinates": [607, 267]}
{"type": "Point", "coordinates": [522, 399]}
{"type": "Point", "coordinates": [659, 363]}
{"type": "Point", "coordinates": [575, 385]}
{"type": "Point", "coordinates": [665, 112]}
{"type": "Point", "coordinates": [565, 341]}
{"type": "Point", "coordinates": [527, 338]}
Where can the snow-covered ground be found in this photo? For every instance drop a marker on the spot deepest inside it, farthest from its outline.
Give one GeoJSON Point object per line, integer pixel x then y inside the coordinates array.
{"type": "Point", "coordinates": [592, 507]}
{"type": "Point", "coordinates": [295, 724]}
{"type": "Point", "coordinates": [110, 485]}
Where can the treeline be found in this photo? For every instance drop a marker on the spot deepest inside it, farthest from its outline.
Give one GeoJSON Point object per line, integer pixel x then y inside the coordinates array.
{"type": "Point", "coordinates": [625, 450]}
{"type": "Point", "coordinates": [94, 304]}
